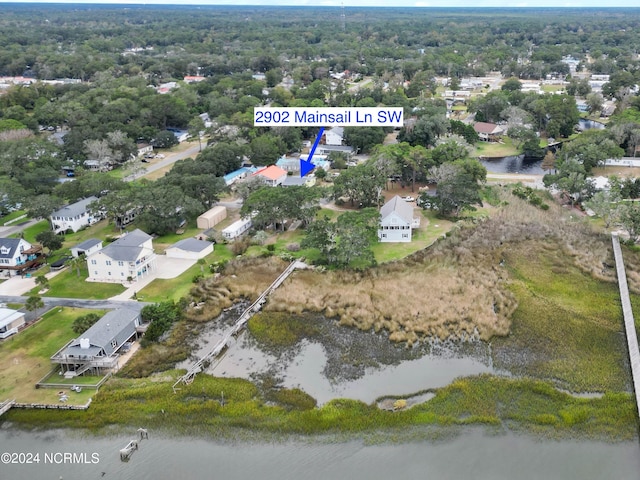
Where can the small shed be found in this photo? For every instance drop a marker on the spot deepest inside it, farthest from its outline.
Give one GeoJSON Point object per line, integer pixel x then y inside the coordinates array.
{"type": "Point", "coordinates": [212, 217]}
{"type": "Point", "coordinates": [237, 228]}
{"type": "Point", "coordinates": [10, 321]}
{"type": "Point", "coordinates": [190, 248]}
{"type": "Point", "coordinates": [86, 248]}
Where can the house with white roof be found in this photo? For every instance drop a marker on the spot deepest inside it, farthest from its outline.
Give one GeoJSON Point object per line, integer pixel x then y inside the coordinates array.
{"type": "Point", "coordinates": [17, 256]}
{"type": "Point", "coordinates": [396, 221]}
{"type": "Point", "coordinates": [127, 259]}
{"type": "Point", "coordinates": [74, 217]}
{"type": "Point", "coordinates": [98, 348]}
{"type": "Point", "coordinates": [10, 321]}
{"type": "Point", "coordinates": [333, 136]}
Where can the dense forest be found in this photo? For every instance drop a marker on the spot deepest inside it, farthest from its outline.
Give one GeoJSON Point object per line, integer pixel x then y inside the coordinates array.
{"type": "Point", "coordinates": [109, 62]}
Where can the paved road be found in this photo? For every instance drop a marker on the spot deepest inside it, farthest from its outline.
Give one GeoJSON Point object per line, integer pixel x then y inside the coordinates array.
{"type": "Point", "coordinates": [51, 302]}
{"type": "Point", "coordinates": [16, 228]}
{"type": "Point", "coordinates": [170, 159]}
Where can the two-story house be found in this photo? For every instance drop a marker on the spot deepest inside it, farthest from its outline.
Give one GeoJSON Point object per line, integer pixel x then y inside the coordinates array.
{"type": "Point", "coordinates": [126, 260]}
{"type": "Point", "coordinates": [74, 217]}
{"type": "Point", "coordinates": [396, 221]}
{"type": "Point", "coordinates": [17, 256]}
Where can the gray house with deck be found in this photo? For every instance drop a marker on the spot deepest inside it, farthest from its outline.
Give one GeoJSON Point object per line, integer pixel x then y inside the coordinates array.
{"type": "Point", "coordinates": [97, 349]}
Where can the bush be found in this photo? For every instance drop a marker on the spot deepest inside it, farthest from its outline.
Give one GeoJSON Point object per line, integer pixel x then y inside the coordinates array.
{"type": "Point", "coordinates": [293, 247]}
{"type": "Point", "coordinates": [240, 246]}
{"type": "Point", "coordinates": [82, 324]}
{"type": "Point", "coordinates": [271, 248]}
{"type": "Point", "coordinates": [197, 278]}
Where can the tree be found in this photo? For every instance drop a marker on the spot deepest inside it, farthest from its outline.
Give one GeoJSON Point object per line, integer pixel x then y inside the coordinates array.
{"type": "Point", "coordinates": [457, 190]}
{"type": "Point", "coordinates": [196, 127]}
{"type": "Point", "coordinates": [164, 139]}
{"type": "Point", "coordinates": [42, 206]}
{"type": "Point", "coordinates": [549, 161]}
{"type": "Point", "coordinates": [591, 148]}
{"type": "Point", "coordinates": [83, 323]}
{"type": "Point", "coordinates": [362, 185]}
{"type": "Point", "coordinates": [265, 149]}
{"type": "Point", "coordinates": [42, 281]}
{"type": "Point", "coordinates": [571, 178]}
{"type": "Point", "coordinates": [605, 205]}
{"type": "Point", "coordinates": [50, 240]}
{"type": "Point", "coordinates": [346, 241]}
{"type": "Point", "coordinates": [218, 159]}
{"type": "Point", "coordinates": [594, 102]}
{"type": "Point", "coordinates": [363, 139]}
{"type": "Point", "coordinates": [630, 219]}
{"type": "Point", "coordinates": [512, 84]}
{"type": "Point", "coordinates": [34, 303]}
{"type": "Point", "coordinates": [273, 206]}
{"type": "Point", "coordinates": [161, 316]}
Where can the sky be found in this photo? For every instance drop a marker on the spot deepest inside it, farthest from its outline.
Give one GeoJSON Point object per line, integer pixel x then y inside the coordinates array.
{"type": "Point", "coordinates": [368, 3]}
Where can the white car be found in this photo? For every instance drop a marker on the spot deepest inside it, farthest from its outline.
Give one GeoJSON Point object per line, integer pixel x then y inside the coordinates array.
{"type": "Point", "coordinates": [409, 199]}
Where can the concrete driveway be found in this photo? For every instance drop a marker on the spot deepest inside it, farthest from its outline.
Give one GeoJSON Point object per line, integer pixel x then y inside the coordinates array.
{"type": "Point", "coordinates": [165, 268]}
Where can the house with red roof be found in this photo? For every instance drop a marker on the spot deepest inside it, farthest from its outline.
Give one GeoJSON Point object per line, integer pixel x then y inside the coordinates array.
{"type": "Point", "coordinates": [488, 132]}
{"type": "Point", "coordinates": [272, 175]}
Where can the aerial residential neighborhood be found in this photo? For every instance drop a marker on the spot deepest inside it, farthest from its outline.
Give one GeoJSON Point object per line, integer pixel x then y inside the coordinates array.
{"type": "Point", "coordinates": [462, 276]}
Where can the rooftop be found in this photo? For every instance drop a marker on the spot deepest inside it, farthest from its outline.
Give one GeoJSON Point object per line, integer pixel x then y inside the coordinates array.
{"type": "Point", "coordinates": [272, 172]}
{"type": "Point", "coordinates": [87, 244]}
{"type": "Point", "coordinates": [191, 245]}
{"type": "Point", "coordinates": [75, 209]}
{"type": "Point", "coordinates": [399, 206]}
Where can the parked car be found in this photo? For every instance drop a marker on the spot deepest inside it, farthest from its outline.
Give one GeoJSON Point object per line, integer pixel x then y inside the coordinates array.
{"type": "Point", "coordinates": [409, 199]}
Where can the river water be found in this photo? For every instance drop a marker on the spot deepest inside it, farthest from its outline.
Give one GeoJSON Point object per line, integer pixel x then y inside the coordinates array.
{"type": "Point", "coordinates": [472, 455]}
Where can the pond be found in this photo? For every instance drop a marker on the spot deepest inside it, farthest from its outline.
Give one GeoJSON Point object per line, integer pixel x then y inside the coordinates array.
{"type": "Point", "coordinates": [514, 164]}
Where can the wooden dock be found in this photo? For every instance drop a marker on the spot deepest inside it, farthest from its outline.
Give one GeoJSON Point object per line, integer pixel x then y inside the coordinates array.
{"type": "Point", "coordinates": [629, 324]}
{"type": "Point", "coordinates": [6, 406]}
{"type": "Point", "coordinates": [240, 324]}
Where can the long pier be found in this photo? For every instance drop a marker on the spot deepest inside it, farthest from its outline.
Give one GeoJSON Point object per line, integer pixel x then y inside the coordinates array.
{"type": "Point", "coordinates": [240, 324]}
{"type": "Point", "coordinates": [629, 324]}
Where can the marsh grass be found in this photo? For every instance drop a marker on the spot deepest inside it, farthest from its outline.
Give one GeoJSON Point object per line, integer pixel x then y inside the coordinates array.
{"type": "Point", "coordinates": [197, 409]}
{"type": "Point", "coordinates": [457, 288]}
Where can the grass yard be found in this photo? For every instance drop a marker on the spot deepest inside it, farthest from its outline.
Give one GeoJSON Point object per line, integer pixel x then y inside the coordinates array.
{"type": "Point", "coordinates": [68, 284]}
{"type": "Point", "coordinates": [175, 288]}
{"type": "Point", "coordinates": [25, 357]}
{"type": "Point", "coordinates": [12, 216]}
{"type": "Point", "coordinates": [100, 230]}
{"type": "Point", "coordinates": [160, 244]}
{"type": "Point", "coordinates": [632, 172]}
{"type": "Point", "coordinates": [431, 228]}
{"type": "Point", "coordinates": [30, 233]}
{"type": "Point", "coordinates": [490, 150]}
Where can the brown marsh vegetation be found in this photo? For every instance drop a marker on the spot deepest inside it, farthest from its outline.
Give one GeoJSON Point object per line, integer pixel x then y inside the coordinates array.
{"type": "Point", "coordinates": [457, 288]}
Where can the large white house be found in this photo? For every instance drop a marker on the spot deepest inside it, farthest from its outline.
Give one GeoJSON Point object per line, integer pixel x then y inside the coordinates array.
{"type": "Point", "coordinates": [74, 216]}
{"type": "Point", "coordinates": [127, 259]}
{"type": "Point", "coordinates": [396, 221]}
{"type": "Point", "coordinates": [17, 256]}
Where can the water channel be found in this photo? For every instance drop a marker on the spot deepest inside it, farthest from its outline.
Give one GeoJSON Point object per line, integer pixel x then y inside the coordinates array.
{"type": "Point", "coordinates": [471, 455]}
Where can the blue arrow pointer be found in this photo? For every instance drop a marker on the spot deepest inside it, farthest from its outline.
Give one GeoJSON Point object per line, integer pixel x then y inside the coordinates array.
{"type": "Point", "coordinates": [307, 166]}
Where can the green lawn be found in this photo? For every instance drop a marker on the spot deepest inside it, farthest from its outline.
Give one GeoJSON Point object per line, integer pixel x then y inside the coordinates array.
{"type": "Point", "coordinates": [12, 216]}
{"type": "Point", "coordinates": [430, 230]}
{"type": "Point", "coordinates": [69, 284]}
{"type": "Point", "coordinates": [25, 357]}
{"type": "Point", "coordinates": [101, 230]}
{"type": "Point", "coordinates": [30, 233]}
{"type": "Point", "coordinates": [175, 288]}
{"type": "Point", "coordinates": [165, 241]}
{"type": "Point", "coordinates": [487, 149]}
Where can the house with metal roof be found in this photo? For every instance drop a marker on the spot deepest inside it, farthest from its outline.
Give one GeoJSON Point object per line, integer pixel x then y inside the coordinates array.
{"type": "Point", "coordinates": [397, 221]}
{"type": "Point", "coordinates": [74, 217]}
{"type": "Point", "coordinates": [237, 175]}
{"type": "Point", "coordinates": [17, 256]}
{"type": "Point", "coordinates": [128, 259]}
{"type": "Point", "coordinates": [98, 348]}
{"type": "Point", "coordinates": [10, 321]}
{"type": "Point", "coordinates": [86, 248]}
{"type": "Point", "coordinates": [190, 248]}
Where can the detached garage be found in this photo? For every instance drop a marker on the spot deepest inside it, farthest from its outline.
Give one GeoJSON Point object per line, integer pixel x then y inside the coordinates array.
{"type": "Point", "coordinates": [212, 217]}
{"type": "Point", "coordinates": [190, 249]}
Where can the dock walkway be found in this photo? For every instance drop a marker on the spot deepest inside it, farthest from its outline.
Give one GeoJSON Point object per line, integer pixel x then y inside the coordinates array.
{"type": "Point", "coordinates": [629, 324]}
{"type": "Point", "coordinates": [240, 324]}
